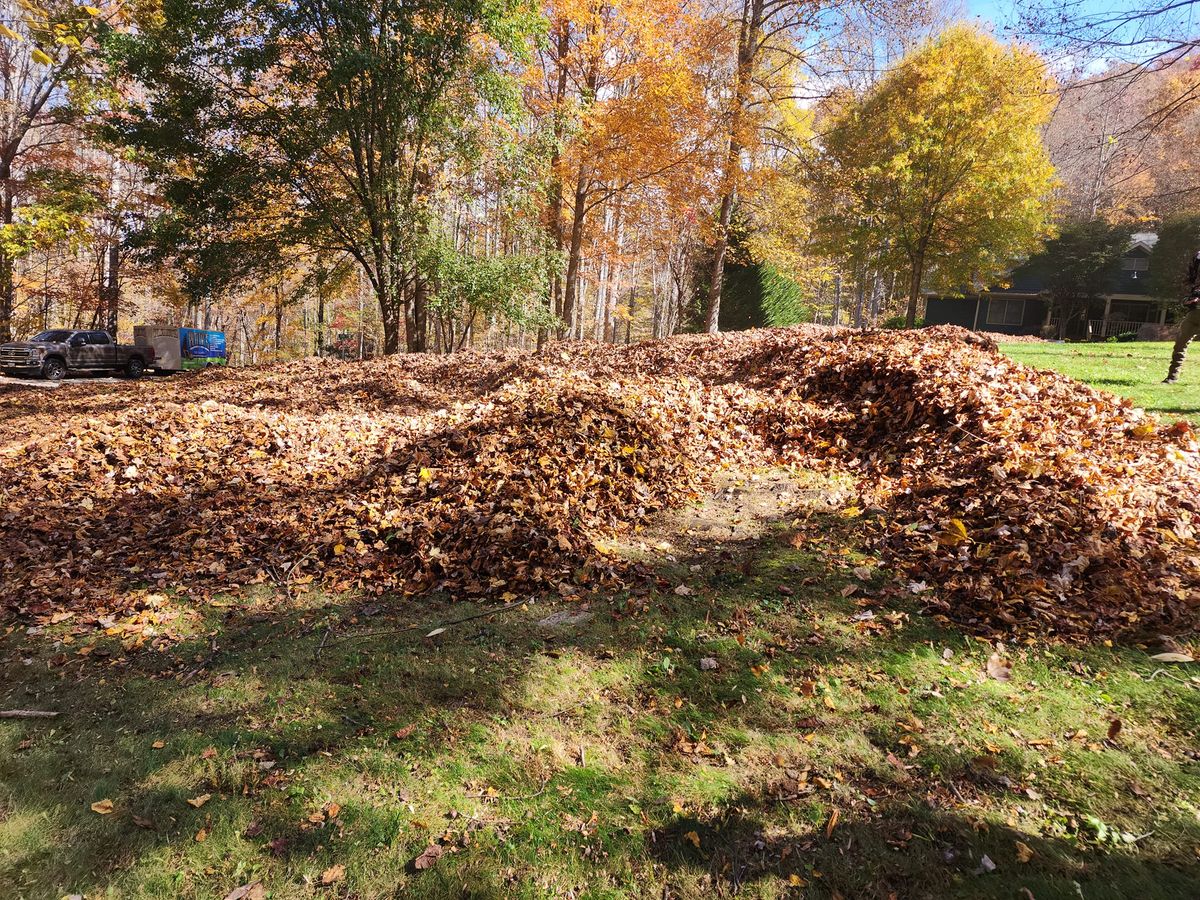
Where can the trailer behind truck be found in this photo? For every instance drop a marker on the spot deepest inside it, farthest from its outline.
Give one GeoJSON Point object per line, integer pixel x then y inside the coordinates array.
{"type": "Point", "coordinates": [182, 349]}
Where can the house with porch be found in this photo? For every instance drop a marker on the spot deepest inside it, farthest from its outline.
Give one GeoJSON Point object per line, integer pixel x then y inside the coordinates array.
{"type": "Point", "coordinates": [1024, 306]}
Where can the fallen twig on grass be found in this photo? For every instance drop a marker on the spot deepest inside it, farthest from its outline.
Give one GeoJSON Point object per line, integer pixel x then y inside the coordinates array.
{"type": "Point", "coordinates": [27, 714]}
{"type": "Point", "coordinates": [324, 641]}
{"type": "Point", "coordinates": [545, 785]}
{"type": "Point", "coordinates": [1167, 674]}
{"type": "Point", "coordinates": [435, 627]}
{"type": "Point", "coordinates": [208, 660]}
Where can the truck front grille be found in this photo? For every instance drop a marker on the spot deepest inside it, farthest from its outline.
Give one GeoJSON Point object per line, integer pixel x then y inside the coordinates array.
{"type": "Point", "coordinates": [15, 356]}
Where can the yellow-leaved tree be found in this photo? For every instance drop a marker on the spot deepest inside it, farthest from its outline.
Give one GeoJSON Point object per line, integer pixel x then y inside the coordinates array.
{"type": "Point", "coordinates": [940, 167]}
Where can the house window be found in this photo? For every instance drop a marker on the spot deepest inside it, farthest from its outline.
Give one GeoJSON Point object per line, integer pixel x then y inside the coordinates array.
{"type": "Point", "coordinates": [1006, 312]}
{"type": "Point", "coordinates": [1135, 263]}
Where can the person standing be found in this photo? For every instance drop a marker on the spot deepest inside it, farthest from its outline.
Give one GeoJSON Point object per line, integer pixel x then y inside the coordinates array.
{"type": "Point", "coordinates": [1189, 327]}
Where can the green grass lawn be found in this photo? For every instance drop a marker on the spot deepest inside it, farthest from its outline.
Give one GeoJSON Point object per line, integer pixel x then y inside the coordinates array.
{"type": "Point", "coordinates": [1133, 370]}
{"type": "Point", "coordinates": [758, 721]}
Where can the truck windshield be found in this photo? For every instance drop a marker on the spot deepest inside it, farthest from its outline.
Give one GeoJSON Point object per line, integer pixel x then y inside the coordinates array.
{"type": "Point", "coordinates": [52, 337]}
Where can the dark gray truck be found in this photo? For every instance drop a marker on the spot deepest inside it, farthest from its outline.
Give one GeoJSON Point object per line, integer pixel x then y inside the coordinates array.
{"type": "Point", "coordinates": [53, 354]}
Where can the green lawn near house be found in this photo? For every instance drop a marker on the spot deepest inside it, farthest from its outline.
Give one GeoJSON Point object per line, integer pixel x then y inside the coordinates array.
{"type": "Point", "coordinates": [1133, 370]}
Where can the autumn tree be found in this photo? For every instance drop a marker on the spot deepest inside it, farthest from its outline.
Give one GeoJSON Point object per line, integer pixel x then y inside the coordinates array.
{"type": "Point", "coordinates": [621, 86]}
{"type": "Point", "coordinates": [761, 25]}
{"type": "Point", "coordinates": [333, 114]}
{"type": "Point", "coordinates": [48, 73]}
{"type": "Point", "coordinates": [1129, 119]}
{"type": "Point", "coordinates": [941, 165]}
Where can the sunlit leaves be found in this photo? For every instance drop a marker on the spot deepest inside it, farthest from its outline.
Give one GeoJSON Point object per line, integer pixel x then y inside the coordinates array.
{"type": "Point", "coordinates": [1009, 499]}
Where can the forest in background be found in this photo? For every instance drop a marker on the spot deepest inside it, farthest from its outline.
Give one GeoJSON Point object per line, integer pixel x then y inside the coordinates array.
{"type": "Point", "coordinates": [357, 176]}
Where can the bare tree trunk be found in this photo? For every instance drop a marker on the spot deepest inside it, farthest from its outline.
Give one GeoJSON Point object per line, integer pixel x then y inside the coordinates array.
{"type": "Point", "coordinates": [6, 261]}
{"type": "Point", "coordinates": [389, 292]}
{"type": "Point", "coordinates": [602, 285]}
{"type": "Point", "coordinates": [617, 274]}
{"type": "Point", "coordinates": [571, 288]}
{"type": "Point", "coordinates": [111, 288]}
{"type": "Point", "coordinates": [320, 320]}
{"type": "Point", "coordinates": [914, 291]}
{"type": "Point", "coordinates": [416, 319]}
{"type": "Point", "coordinates": [716, 278]}
{"type": "Point", "coordinates": [554, 301]}
{"type": "Point", "coordinates": [629, 321]}
{"type": "Point", "coordinates": [859, 299]}
{"type": "Point", "coordinates": [278, 319]}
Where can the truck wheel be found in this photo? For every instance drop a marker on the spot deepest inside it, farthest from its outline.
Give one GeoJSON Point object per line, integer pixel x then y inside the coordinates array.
{"type": "Point", "coordinates": [54, 369]}
{"type": "Point", "coordinates": [135, 367]}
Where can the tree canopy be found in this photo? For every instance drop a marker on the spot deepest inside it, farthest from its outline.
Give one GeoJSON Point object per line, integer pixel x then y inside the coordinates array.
{"type": "Point", "coordinates": [319, 123]}
{"type": "Point", "coordinates": [940, 167]}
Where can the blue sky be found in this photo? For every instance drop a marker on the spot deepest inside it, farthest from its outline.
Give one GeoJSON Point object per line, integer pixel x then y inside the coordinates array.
{"type": "Point", "coordinates": [998, 12]}
{"type": "Point", "coordinates": [1176, 25]}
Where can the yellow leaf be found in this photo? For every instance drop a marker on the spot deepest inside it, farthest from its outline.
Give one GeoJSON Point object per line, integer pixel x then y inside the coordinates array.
{"type": "Point", "coordinates": [1024, 852]}
{"type": "Point", "coordinates": [104, 807]}
{"type": "Point", "coordinates": [426, 475]}
{"type": "Point", "coordinates": [10, 34]}
{"type": "Point", "coordinates": [693, 837]}
{"type": "Point", "coordinates": [198, 802]}
{"type": "Point", "coordinates": [339, 549]}
{"type": "Point", "coordinates": [91, 10]}
{"type": "Point", "coordinates": [333, 874]}
{"type": "Point", "coordinates": [953, 533]}
{"type": "Point", "coordinates": [158, 745]}
{"type": "Point", "coordinates": [201, 835]}
{"type": "Point", "coordinates": [42, 57]}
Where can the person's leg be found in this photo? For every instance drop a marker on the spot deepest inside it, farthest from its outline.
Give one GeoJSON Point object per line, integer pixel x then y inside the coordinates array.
{"type": "Point", "coordinates": [1189, 329]}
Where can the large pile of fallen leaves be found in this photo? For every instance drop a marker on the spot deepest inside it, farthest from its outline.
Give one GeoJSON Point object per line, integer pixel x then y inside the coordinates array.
{"type": "Point", "coordinates": [1009, 498]}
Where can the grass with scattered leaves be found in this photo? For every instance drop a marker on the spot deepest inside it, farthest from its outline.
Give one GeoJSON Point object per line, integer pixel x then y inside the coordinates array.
{"type": "Point", "coordinates": [1133, 370]}
{"type": "Point", "coordinates": [755, 721]}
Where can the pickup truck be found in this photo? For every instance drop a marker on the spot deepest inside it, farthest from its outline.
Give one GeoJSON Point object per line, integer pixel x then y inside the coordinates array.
{"type": "Point", "coordinates": [52, 354]}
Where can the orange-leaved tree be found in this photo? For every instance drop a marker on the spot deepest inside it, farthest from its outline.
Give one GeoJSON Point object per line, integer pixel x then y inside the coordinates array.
{"type": "Point", "coordinates": [622, 84]}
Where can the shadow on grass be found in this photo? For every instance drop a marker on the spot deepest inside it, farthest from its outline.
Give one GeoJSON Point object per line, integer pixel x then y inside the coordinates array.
{"type": "Point", "coordinates": [649, 744]}
{"type": "Point", "coordinates": [1119, 382]}
{"type": "Point", "coordinates": [905, 850]}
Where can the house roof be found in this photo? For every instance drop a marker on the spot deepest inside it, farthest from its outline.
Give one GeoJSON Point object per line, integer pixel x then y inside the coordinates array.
{"type": "Point", "coordinates": [1029, 278]}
